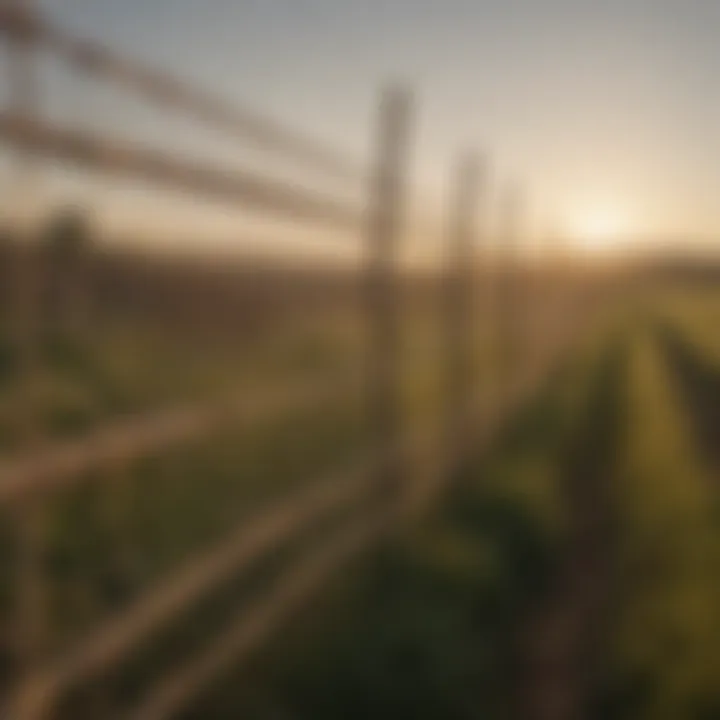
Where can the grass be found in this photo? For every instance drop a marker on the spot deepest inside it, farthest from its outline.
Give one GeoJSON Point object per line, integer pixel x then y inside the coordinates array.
{"type": "Point", "coordinates": [456, 584]}
{"type": "Point", "coordinates": [437, 627]}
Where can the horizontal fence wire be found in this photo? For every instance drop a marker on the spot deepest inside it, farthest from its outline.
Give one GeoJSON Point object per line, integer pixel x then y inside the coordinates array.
{"type": "Point", "coordinates": [63, 465]}
{"type": "Point", "coordinates": [253, 539]}
{"type": "Point", "coordinates": [23, 24]}
{"type": "Point", "coordinates": [255, 625]}
{"type": "Point", "coordinates": [115, 157]}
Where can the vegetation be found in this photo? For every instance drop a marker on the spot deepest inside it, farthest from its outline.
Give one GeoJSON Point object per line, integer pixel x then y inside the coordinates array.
{"type": "Point", "coordinates": [570, 565]}
{"type": "Point", "coordinates": [484, 610]}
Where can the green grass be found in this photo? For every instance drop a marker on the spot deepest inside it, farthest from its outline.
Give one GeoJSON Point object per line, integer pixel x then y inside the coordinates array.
{"type": "Point", "coordinates": [456, 583]}
{"type": "Point", "coordinates": [433, 627]}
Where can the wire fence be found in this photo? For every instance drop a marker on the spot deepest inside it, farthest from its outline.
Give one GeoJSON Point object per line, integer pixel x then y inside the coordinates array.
{"type": "Point", "coordinates": [401, 472]}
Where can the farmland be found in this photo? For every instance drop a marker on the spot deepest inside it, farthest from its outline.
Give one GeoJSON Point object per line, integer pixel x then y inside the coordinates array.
{"type": "Point", "coordinates": [570, 572]}
{"type": "Point", "coordinates": [566, 566]}
{"type": "Point", "coordinates": [404, 407]}
{"type": "Point", "coordinates": [252, 378]}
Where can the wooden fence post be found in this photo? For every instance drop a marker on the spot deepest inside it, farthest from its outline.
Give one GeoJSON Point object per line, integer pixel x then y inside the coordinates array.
{"type": "Point", "coordinates": [383, 282]}
{"type": "Point", "coordinates": [459, 297]}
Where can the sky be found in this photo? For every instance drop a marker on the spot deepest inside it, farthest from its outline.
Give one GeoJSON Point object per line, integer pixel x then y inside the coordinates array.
{"type": "Point", "coordinates": [601, 111]}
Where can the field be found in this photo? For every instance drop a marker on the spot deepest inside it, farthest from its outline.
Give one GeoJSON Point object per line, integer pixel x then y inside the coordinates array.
{"type": "Point", "coordinates": [253, 380]}
{"type": "Point", "coordinates": [570, 573]}
{"type": "Point", "coordinates": [567, 567]}
{"type": "Point", "coordinates": [407, 411]}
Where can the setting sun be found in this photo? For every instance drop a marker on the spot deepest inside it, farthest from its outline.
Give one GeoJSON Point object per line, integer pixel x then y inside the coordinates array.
{"type": "Point", "coordinates": [600, 228]}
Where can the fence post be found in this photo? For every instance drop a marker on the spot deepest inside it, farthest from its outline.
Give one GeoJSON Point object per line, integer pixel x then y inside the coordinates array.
{"type": "Point", "coordinates": [383, 286]}
{"type": "Point", "coordinates": [460, 302]}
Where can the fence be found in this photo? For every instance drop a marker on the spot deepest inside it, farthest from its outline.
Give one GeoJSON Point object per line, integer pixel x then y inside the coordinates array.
{"type": "Point", "coordinates": [402, 469]}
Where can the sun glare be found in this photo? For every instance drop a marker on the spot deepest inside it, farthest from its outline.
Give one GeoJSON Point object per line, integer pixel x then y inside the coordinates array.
{"type": "Point", "coordinates": [600, 229]}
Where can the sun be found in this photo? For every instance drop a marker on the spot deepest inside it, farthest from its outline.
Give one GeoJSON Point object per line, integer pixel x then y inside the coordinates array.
{"type": "Point", "coordinates": [600, 228]}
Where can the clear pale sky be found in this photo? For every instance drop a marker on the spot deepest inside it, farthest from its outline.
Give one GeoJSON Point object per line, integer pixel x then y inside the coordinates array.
{"type": "Point", "coordinates": [590, 103]}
